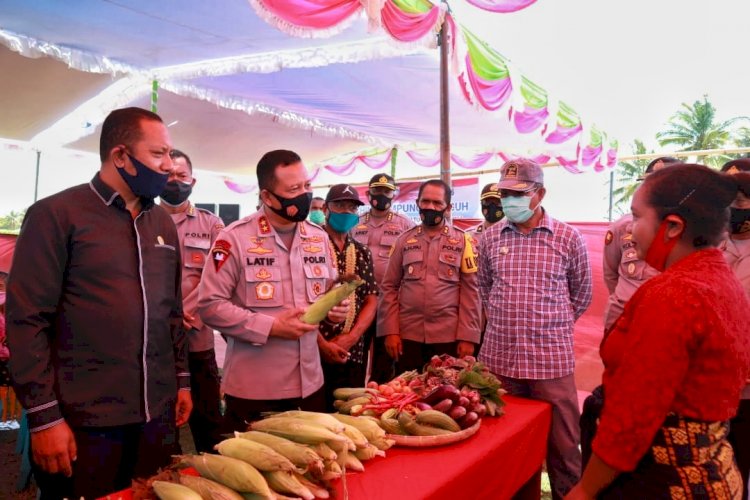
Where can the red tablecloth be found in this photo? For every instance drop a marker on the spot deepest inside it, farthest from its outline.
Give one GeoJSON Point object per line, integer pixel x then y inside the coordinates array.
{"type": "Point", "coordinates": [494, 463]}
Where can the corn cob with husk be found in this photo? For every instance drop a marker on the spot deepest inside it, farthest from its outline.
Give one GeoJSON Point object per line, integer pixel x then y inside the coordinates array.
{"type": "Point", "coordinates": [369, 428]}
{"type": "Point", "coordinates": [236, 474]}
{"type": "Point", "coordinates": [319, 309]}
{"type": "Point", "coordinates": [276, 496]}
{"type": "Point", "coordinates": [207, 489]}
{"type": "Point", "coordinates": [299, 430]}
{"type": "Point", "coordinates": [325, 451]}
{"type": "Point", "coordinates": [174, 491]}
{"type": "Point", "coordinates": [316, 489]}
{"type": "Point", "coordinates": [324, 419]}
{"type": "Point", "coordinates": [260, 456]}
{"type": "Point", "coordinates": [368, 452]}
{"type": "Point", "coordinates": [285, 482]}
{"type": "Point", "coordinates": [351, 462]}
{"type": "Point", "coordinates": [301, 456]}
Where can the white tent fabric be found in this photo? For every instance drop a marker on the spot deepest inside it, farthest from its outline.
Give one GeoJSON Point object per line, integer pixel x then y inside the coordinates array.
{"type": "Point", "coordinates": [233, 86]}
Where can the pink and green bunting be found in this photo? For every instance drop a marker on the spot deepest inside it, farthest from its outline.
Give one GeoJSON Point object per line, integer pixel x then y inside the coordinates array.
{"type": "Point", "coordinates": [487, 72]}
{"type": "Point", "coordinates": [502, 6]}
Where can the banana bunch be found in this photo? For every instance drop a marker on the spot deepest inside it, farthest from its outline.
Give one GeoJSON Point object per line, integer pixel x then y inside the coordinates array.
{"type": "Point", "coordinates": [289, 454]}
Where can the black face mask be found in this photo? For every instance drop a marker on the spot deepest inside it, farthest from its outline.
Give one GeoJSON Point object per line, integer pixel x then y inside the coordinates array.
{"type": "Point", "coordinates": [301, 203]}
{"type": "Point", "coordinates": [380, 201]}
{"type": "Point", "coordinates": [175, 193]}
{"type": "Point", "coordinates": [740, 220]}
{"type": "Point", "coordinates": [492, 212]}
{"type": "Point", "coordinates": [431, 217]}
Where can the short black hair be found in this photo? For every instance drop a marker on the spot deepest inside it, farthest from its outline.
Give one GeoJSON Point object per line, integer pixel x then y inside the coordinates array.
{"type": "Point", "coordinates": [176, 153]}
{"type": "Point", "coordinates": [699, 195]}
{"type": "Point", "coordinates": [439, 183]}
{"type": "Point", "coordinates": [123, 126]}
{"type": "Point", "coordinates": [318, 198]}
{"type": "Point", "coordinates": [266, 170]}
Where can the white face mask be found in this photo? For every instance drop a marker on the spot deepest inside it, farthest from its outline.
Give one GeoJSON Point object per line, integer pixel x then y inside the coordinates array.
{"type": "Point", "coordinates": [517, 208]}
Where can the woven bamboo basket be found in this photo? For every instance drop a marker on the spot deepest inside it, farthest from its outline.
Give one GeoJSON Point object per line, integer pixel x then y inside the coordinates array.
{"type": "Point", "coordinates": [427, 441]}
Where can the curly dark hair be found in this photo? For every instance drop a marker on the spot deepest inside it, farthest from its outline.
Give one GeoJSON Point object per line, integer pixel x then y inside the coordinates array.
{"type": "Point", "coordinates": [699, 195]}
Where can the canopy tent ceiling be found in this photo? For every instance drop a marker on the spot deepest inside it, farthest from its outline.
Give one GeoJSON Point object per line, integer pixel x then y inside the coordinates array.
{"type": "Point", "coordinates": [249, 87]}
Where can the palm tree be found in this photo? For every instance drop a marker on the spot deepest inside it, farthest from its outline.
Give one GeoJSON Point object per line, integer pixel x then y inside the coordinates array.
{"type": "Point", "coordinates": [628, 173]}
{"type": "Point", "coordinates": [694, 127]}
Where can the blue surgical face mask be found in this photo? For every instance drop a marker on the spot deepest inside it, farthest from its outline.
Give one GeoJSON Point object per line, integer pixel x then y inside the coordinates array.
{"type": "Point", "coordinates": [517, 208]}
{"type": "Point", "coordinates": [317, 217]}
{"type": "Point", "coordinates": [146, 183]}
{"type": "Point", "coordinates": [342, 222]}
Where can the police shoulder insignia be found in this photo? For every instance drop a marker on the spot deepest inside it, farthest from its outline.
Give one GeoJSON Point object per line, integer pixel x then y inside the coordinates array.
{"type": "Point", "coordinates": [220, 253]}
{"type": "Point", "coordinates": [469, 257]}
{"type": "Point", "coordinates": [609, 237]}
{"type": "Point", "coordinates": [263, 225]}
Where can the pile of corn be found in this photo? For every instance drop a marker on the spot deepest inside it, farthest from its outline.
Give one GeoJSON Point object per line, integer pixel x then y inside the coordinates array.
{"type": "Point", "coordinates": [288, 455]}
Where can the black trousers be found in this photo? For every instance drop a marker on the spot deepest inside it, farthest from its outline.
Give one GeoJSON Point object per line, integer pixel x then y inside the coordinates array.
{"type": "Point", "coordinates": [341, 375]}
{"type": "Point", "coordinates": [383, 368]}
{"type": "Point", "coordinates": [240, 412]}
{"type": "Point", "coordinates": [205, 420]}
{"type": "Point", "coordinates": [592, 409]}
{"type": "Point", "coordinates": [110, 457]}
{"type": "Point", "coordinates": [417, 354]}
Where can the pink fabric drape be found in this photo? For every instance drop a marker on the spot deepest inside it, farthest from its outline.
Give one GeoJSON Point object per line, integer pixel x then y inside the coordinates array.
{"type": "Point", "coordinates": [239, 188]}
{"type": "Point", "coordinates": [490, 94]}
{"type": "Point", "coordinates": [590, 154]}
{"type": "Point", "coordinates": [316, 14]}
{"type": "Point", "coordinates": [502, 6]}
{"type": "Point", "coordinates": [374, 162]}
{"type": "Point", "coordinates": [475, 161]}
{"type": "Point", "coordinates": [407, 26]}
{"type": "Point", "coordinates": [571, 165]}
{"type": "Point", "coordinates": [424, 160]}
{"type": "Point", "coordinates": [611, 157]}
{"type": "Point", "coordinates": [562, 134]}
{"type": "Point", "coordinates": [530, 119]}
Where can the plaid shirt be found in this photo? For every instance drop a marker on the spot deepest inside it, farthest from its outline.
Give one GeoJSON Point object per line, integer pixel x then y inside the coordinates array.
{"type": "Point", "coordinates": [533, 287]}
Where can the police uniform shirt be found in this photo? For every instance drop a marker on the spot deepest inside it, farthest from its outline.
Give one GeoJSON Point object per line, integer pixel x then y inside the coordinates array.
{"type": "Point", "coordinates": [379, 234]}
{"type": "Point", "coordinates": [624, 272]}
{"type": "Point", "coordinates": [197, 230]}
{"type": "Point", "coordinates": [429, 293]}
{"type": "Point", "coordinates": [252, 278]}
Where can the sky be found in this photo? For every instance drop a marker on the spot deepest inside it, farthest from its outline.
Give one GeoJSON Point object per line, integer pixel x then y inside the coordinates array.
{"type": "Point", "coordinates": [625, 66]}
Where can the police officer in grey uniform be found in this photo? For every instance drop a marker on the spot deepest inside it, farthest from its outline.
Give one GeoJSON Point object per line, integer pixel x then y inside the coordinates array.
{"type": "Point", "coordinates": [624, 272]}
{"type": "Point", "coordinates": [197, 230]}
{"type": "Point", "coordinates": [265, 270]}
{"type": "Point", "coordinates": [492, 210]}
{"type": "Point", "coordinates": [378, 229]}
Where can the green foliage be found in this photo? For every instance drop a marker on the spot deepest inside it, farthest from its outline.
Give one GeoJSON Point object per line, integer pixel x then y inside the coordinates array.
{"type": "Point", "coordinates": [628, 173]}
{"type": "Point", "coordinates": [11, 223]}
{"type": "Point", "coordinates": [695, 127]}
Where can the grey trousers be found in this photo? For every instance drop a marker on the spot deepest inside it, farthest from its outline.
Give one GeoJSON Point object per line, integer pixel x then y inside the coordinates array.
{"type": "Point", "coordinates": [563, 454]}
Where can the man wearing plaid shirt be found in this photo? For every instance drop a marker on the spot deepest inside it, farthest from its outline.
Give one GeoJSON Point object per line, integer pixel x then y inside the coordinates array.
{"type": "Point", "coordinates": [535, 282]}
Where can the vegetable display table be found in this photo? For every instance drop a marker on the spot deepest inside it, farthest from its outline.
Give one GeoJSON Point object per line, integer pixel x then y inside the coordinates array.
{"type": "Point", "coordinates": [504, 458]}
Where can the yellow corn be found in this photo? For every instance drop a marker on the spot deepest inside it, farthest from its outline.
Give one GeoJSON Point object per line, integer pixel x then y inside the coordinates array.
{"type": "Point", "coordinates": [319, 309]}
{"type": "Point", "coordinates": [437, 419]}
{"type": "Point", "coordinates": [369, 428]}
{"type": "Point", "coordinates": [207, 489]}
{"type": "Point", "coordinates": [325, 451]}
{"type": "Point", "coordinates": [324, 419]}
{"type": "Point", "coordinates": [296, 429]}
{"type": "Point", "coordinates": [173, 491]}
{"type": "Point", "coordinates": [285, 482]}
{"type": "Point", "coordinates": [351, 462]}
{"type": "Point", "coordinates": [300, 455]}
{"type": "Point", "coordinates": [368, 452]}
{"type": "Point", "coordinates": [233, 473]}
{"type": "Point", "coordinates": [315, 489]}
{"type": "Point", "coordinates": [258, 455]}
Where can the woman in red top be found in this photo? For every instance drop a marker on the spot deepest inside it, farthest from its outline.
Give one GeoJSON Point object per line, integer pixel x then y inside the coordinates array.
{"type": "Point", "coordinates": [678, 356]}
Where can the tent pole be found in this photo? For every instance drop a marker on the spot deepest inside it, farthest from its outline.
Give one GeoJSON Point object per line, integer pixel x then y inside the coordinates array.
{"type": "Point", "coordinates": [36, 180]}
{"type": "Point", "coordinates": [611, 188]}
{"type": "Point", "coordinates": [445, 144]}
